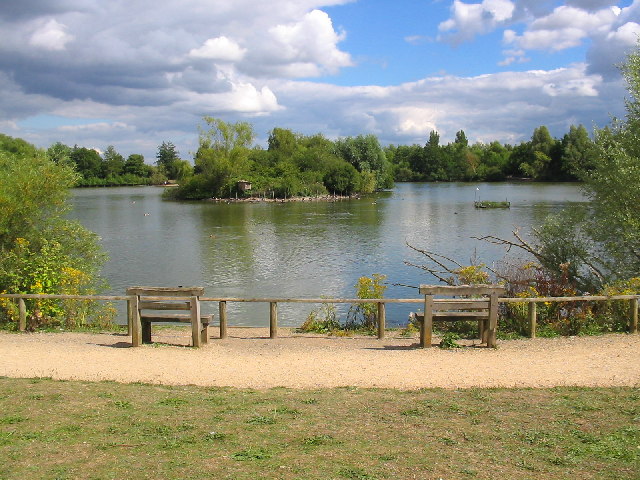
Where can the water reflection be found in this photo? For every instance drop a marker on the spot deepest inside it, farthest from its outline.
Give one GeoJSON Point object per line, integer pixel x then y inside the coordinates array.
{"type": "Point", "coordinates": [302, 249]}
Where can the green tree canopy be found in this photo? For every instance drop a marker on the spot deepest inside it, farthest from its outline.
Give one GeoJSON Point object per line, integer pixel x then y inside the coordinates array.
{"type": "Point", "coordinates": [112, 163]}
{"type": "Point", "coordinates": [41, 250]}
{"type": "Point", "coordinates": [600, 242]}
{"type": "Point", "coordinates": [87, 162]}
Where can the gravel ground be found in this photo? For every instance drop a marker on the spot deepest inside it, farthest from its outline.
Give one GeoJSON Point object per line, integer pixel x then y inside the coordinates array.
{"type": "Point", "coordinates": [249, 359]}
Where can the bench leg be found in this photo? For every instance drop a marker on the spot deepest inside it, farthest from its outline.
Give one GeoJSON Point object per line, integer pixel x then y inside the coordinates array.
{"type": "Point", "coordinates": [146, 332]}
{"type": "Point", "coordinates": [482, 330]}
{"type": "Point", "coordinates": [196, 325]}
{"type": "Point", "coordinates": [204, 333]}
{"type": "Point", "coordinates": [493, 321]}
{"type": "Point", "coordinates": [426, 328]}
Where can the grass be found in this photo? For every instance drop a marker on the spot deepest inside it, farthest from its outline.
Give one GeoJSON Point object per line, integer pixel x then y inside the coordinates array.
{"type": "Point", "coordinates": [68, 430]}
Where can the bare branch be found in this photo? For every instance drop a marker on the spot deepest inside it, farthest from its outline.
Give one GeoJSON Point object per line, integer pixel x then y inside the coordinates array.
{"type": "Point", "coordinates": [432, 256]}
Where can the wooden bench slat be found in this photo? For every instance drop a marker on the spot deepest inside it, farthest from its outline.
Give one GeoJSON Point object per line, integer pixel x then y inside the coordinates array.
{"type": "Point", "coordinates": [453, 316]}
{"type": "Point", "coordinates": [166, 291]}
{"type": "Point", "coordinates": [461, 314]}
{"type": "Point", "coordinates": [439, 306]}
{"type": "Point", "coordinates": [146, 305]}
{"type": "Point", "coordinates": [171, 317]}
{"type": "Point", "coordinates": [461, 289]}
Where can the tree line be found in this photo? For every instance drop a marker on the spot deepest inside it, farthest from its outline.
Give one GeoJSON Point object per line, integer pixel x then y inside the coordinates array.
{"type": "Point", "coordinates": [294, 164]}
{"type": "Point", "coordinates": [112, 169]}
{"type": "Point", "coordinates": [543, 158]}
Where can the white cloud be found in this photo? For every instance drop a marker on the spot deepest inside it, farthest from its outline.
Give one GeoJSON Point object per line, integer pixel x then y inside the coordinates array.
{"type": "Point", "coordinates": [219, 48]}
{"type": "Point", "coordinates": [95, 127]}
{"type": "Point", "coordinates": [50, 36]}
{"type": "Point", "coordinates": [626, 35]}
{"type": "Point", "coordinates": [504, 107]}
{"type": "Point", "coordinates": [471, 19]}
{"type": "Point", "coordinates": [243, 98]}
{"type": "Point", "coordinates": [564, 28]}
{"type": "Point", "coordinates": [151, 69]}
{"type": "Point", "coordinates": [305, 48]}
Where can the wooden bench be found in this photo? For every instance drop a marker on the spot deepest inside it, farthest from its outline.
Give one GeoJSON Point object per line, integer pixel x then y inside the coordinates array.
{"type": "Point", "coordinates": [151, 304]}
{"type": "Point", "coordinates": [479, 303]}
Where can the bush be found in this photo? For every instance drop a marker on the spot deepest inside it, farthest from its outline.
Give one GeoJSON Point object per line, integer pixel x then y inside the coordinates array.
{"type": "Point", "coordinates": [322, 320]}
{"type": "Point", "coordinates": [364, 316]}
{"type": "Point", "coordinates": [43, 251]}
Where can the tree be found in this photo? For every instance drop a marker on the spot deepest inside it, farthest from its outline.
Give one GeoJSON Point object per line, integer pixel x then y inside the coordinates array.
{"type": "Point", "coordinates": [135, 165]}
{"type": "Point", "coordinates": [59, 153]}
{"type": "Point", "coordinates": [112, 163]}
{"type": "Point", "coordinates": [366, 155]}
{"type": "Point", "coordinates": [41, 250]}
{"type": "Point", "coordinates": [341, 178]}
{"type": "Point", "coordinates": [221, 160]}
{"type": "Point", "coordinates": [598, 243]}
{"type": "Point", "coordinates": [283, 141]}
{"type": "Point", "coordinates": [579, 154]}
{"type": "Point", "coordinates": [166, 158]}
{"type": "Point", "coordinates": [87, 161]}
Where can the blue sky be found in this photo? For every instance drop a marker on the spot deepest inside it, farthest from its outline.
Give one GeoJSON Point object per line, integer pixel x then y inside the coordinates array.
{"type": "Point", "coordinates": [135, 74]}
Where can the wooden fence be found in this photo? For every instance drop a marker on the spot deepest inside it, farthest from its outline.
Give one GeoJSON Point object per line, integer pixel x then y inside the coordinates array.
{"type": "Point", "coordinates": [531, 302]}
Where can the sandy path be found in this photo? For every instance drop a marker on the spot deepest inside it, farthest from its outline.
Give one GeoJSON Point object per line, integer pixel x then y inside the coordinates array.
{"type": "Point", "coordinates": [247, 359]}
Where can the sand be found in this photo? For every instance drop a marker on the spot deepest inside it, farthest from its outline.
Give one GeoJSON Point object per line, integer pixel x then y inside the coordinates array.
{"type": "Point", "coordinates": [248, 359]}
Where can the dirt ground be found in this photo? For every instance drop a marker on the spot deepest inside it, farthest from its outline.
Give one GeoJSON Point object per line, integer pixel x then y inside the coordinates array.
{"type": "Point", "coordinates": [248, 358]}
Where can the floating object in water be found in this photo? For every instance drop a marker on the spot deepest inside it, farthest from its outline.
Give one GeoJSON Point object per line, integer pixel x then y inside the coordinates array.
{"type": "Point", "coordinates": [487, 204]}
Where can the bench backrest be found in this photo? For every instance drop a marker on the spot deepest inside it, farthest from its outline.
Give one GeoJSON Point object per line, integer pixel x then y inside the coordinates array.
{"type": "Point", "coordinates": [463, 308]}
{"type": "Point", "coordinates": [460, 290]}
{"type": "Point", "coordinates": [165, 298]}
{"type": "Point", "coordinates": [166, 291]}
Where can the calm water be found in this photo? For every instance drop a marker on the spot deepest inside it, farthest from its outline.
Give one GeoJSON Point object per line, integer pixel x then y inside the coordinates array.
{"type": "Point", "coordinates": [309, 249]}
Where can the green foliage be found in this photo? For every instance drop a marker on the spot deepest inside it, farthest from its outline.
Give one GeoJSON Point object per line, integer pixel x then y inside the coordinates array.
{"type": "Point", "coordinates": [600, 241]}
{"type": "Point", "coordinates": [322, 320]}
{"type": "Point", "coordinates": [542, 158]}
{"type": "Point", "coordinates": [293, 165]}
{"type": "Point", "coordinates": [134, 165]}
{"type": "Point", "coordinates": [341, 178]}
{"type": "Point", "coordinates": [112, 163]}
{"type": "Point", "coordinates": [365, 315]}
{"type": "Point", "coordinates": [41, 250]}
{"type": "Point", "coordinates": [168, 160]}
{"type": "Point", "coordinates": [449, 340]}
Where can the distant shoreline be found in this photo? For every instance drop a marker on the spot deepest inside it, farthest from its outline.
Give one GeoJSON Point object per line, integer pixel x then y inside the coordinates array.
{"type": "Point", "coordinates": [321, 198]}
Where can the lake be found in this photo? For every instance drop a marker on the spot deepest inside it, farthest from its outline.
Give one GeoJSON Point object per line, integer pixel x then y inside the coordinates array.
{"type": "Point", "coordinates": [304, 249]}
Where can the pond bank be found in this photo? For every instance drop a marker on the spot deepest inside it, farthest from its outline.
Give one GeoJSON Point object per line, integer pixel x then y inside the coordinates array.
{"type": "Point", "coordinates": [321, 198]}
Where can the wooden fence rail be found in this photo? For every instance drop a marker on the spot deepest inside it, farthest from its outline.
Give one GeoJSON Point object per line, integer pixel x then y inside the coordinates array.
{"type": "Point", "coordinates": [381, 303]}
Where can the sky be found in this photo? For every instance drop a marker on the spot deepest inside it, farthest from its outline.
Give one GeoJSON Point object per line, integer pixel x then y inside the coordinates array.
{"type": "Point", "coordinates": [134, 74]}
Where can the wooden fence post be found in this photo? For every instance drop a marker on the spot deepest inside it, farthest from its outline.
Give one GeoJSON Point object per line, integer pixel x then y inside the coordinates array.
{"type": "Point", "coordinates": [222, 309]}
{"type": "Point", "coordinates": [493, 320]}
{"type": "Point", "coordinates": [533, 319]}
{"type": "Point", "coordinates": [273, 320]}
{"type": "Point", "coordinates": [381, 319]}
{"type": "Point", "coordinates": [136, 323]}
{"type": "Point", "coordinates": [426, 328]}
{"type": "Point", "coordinates": [633, 323]}
{"type": "Point", "coordinates": [196, 325]}
{"type": "Point", "coordinates": [22, 319]}
{"type": "Point", "coordinates": [130, 317]}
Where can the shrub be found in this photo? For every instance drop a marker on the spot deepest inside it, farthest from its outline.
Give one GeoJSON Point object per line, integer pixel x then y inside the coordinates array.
{"type": "Point", "coordinates": [364, 316]}
{"type": "Point", "coordinates": [43, 251]}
